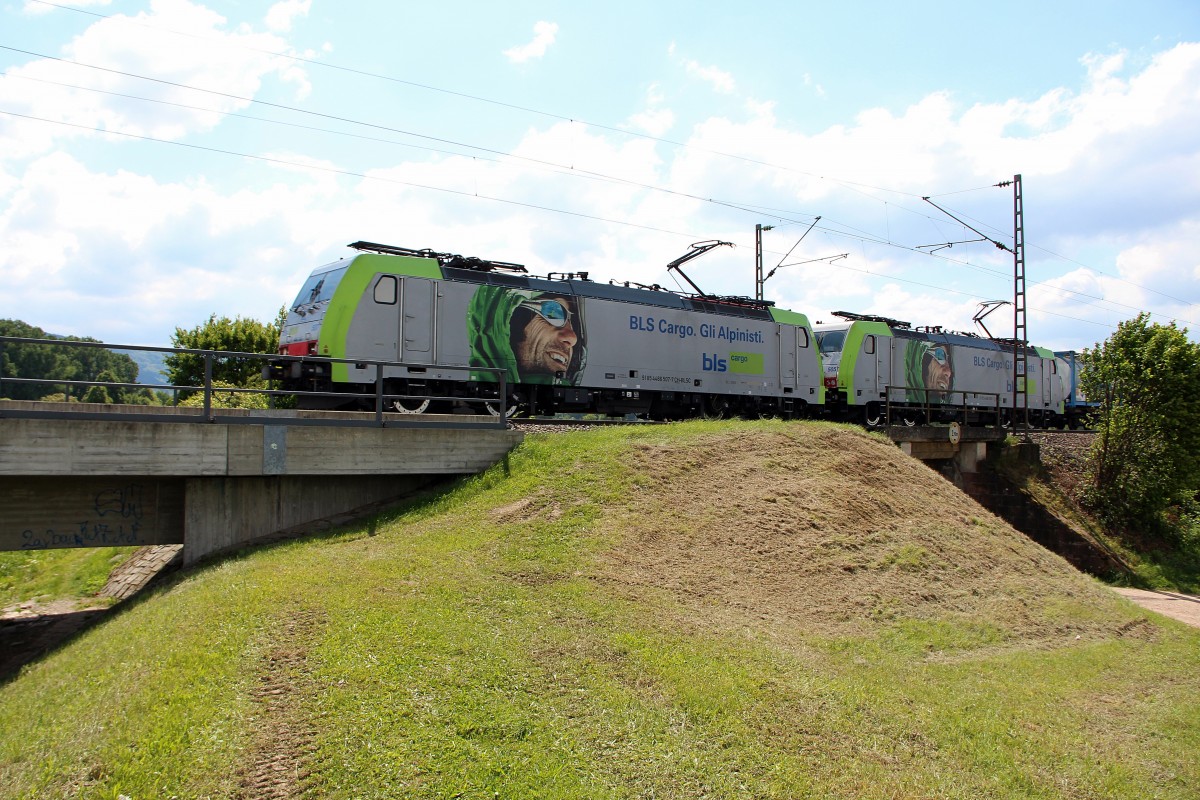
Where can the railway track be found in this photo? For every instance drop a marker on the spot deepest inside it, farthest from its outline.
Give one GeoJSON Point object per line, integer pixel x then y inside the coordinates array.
{"type": "Point", "coordinates": [563, 424]}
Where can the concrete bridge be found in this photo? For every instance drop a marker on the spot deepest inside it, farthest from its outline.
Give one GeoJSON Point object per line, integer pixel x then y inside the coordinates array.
{"type": "Point", "coordinates": [959, 448]}
{"type": "Point", "coordinates": [148, 475]}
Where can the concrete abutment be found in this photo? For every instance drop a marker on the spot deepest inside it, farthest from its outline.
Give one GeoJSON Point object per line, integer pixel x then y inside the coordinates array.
{"type": "Point", "coordinates": [215, 487]}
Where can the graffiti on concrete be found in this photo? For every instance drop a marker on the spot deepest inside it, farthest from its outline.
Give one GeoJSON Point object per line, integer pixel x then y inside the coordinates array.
{"type": "Point", "coordinates": [117, 521]}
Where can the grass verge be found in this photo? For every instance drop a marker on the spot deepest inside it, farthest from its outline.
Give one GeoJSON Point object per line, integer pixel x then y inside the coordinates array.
{"type": "Point", "coordinates": [71, 574]}
{"type": "Point", "coordinates": [478, 645]}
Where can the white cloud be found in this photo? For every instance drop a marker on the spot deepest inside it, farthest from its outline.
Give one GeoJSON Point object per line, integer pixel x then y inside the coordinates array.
{"type": "Point", "coordinates": [281, 15]}
{"type": "Point", "coordinates": [122, 51]}
{"type": "Point", "coordinates": [544, 34]}
{"type": "Point", "coordinates": [1109, 168]}
{"type": "Point", "coordinates": [720, 80]}
{"type": "Point", "coordinates": [1118, 154]}
{"type": "Point", "coordinates": [123, 254]}
{"type": "Point", "coordinates": [654, 120]}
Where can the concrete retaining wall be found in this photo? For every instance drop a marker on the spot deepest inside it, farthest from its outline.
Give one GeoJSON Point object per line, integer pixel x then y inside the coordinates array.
{"type": "Point", "coordinates": [227, 513]}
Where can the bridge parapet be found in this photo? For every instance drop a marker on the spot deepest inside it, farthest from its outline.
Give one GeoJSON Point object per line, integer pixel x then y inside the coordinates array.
{"type": "Point", "coordinates": [257, 444]}
{"type": "Point", "coordinates": [102, 482]}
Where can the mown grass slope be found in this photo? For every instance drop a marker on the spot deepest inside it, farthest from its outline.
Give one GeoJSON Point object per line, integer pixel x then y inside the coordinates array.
{"type": "Point", "coordinates": [700, 610]}
{"type": "Point", "coordinates": [72, 574]}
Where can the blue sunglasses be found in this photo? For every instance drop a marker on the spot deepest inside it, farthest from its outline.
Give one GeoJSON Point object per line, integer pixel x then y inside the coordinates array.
{"type": "Point", "coordinates": [552, 311]}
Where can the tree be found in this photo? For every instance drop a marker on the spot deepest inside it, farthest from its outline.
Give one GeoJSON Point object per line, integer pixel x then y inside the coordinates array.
{"type": "Point", "coordinates": [51, 362]}
{"type": "Point", "coordinates": [1146, 457]}
{"type": "Point", "coordinates": [240, 335]}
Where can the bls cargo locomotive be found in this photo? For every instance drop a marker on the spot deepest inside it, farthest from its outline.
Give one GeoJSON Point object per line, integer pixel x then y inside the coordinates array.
{"type": "Point", "coordinates": [874, 365]}
{"type": "Point", "coordinates": [564, 343]}
{"type": "Point", "coordinates": [457, 329]}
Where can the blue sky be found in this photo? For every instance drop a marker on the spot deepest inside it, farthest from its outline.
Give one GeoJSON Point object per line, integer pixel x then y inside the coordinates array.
{"type": "Point", "coordinates": [570, 136]}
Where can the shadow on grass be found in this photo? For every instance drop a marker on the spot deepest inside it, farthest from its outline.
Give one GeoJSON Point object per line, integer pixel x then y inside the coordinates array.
{"type": "Point", "coordinates": [24, 640]}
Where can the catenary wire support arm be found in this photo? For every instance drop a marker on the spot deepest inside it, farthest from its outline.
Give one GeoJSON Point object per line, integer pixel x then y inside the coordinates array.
{"type": "Point", "coordinates": [947, 245]}
{"type": "Point", "coordinates": [986, 238]}
{"type": "Point", "coordinates": [797, 244]}
{"type": "Point", "coordinates": [759, 280]}
{"type": "Point", "coordinates": [830, 259]}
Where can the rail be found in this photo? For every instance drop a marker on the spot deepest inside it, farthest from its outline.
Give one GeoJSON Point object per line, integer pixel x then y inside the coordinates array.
{"type": "Point", "coordinates": [206, 413]}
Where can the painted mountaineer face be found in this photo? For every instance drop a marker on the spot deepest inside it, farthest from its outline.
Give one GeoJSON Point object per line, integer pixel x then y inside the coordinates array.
{"type": "Point", "coordinates": [546, 342]}
{"type": "Point", "coordinates": [939, 372]}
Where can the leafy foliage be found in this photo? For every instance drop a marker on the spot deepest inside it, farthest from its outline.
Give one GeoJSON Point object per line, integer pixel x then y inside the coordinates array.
{"type": "Point", "coordinates": [230, 399]}
{"type": "Point", "coordinates": [54, 362]}
{"type": "Point", "coordinates": [1146, 459]}
{"type": "Point", "coordinates": [239, 335]}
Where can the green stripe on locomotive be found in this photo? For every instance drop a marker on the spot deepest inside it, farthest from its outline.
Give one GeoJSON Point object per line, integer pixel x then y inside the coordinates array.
{"type": "Point", "coordinates": [851, 347]}
{"type": "Point", "coordinates": [335, 327]}
{"type": "Point", "coordinates": [785, 317]}
{"type": "Point", "coordinates": [782, 316]}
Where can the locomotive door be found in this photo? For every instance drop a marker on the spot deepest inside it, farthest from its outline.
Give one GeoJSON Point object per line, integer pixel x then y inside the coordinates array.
{"type": "Point", "coordinates": [875, 370]}
{"type": "Point", "coordinates": [416, 321]}
{"type": "Point", "coordinates": [787, 357]}
{"type": "Point", "coordinates": [1041, 393]}
{"type": "Point", "coordinates": [885, 356]}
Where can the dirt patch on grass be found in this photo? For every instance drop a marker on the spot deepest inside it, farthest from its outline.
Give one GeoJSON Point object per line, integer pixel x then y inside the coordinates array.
{"type": "Point", "coordinates": [278, 762]}
{"type": "Point", "coordinates": [830, 530]}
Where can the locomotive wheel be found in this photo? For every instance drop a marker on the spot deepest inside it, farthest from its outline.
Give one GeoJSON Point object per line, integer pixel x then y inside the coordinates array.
{"type": "Point", "coordinates": [514, 407]}
{"type": "Point", "coordinates": [911, 419]}
{"type": "Point", "coordinates": [411, 405]}
{"type": "Point", "coordinates": [873, 415]}
{"type": "Point", "coordinates": [494, 409]}
{"type": "Point", "coordinates": [762, 410]}
{"type": "Point", "coordinates": [714, 407]}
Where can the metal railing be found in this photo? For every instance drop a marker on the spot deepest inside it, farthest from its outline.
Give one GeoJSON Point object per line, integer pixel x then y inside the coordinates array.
{"type": "Point", "coordinates": [943, 406]}
{"type": "Point", "coordinates": [495, 408]}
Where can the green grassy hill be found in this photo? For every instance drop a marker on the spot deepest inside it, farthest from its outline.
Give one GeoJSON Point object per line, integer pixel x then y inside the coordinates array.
{"type": "Point", "coordinates": [699, 610]}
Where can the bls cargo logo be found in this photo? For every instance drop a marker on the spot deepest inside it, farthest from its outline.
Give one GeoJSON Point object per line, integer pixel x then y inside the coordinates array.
{"type": "Point", "coordinates": [740, 363]}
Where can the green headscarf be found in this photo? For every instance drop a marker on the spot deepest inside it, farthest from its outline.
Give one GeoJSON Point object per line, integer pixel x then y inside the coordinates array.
{"type": "Point", "coordinates": [914, 370]}
{"type": "Point", "coordinates": [489, 333]}
{"type": "Point", "coordinates": [914, 373]}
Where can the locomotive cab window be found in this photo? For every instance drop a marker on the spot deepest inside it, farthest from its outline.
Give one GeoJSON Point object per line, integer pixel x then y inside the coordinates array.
{"type": "Point", "coordinates": [802, 338]}
{"type": "Point", "coordinates": [830, 341]}
{"type": "Point", "coordinates": [318, 288]}
{"type": "Point", "coordinates": [385, 290]}
{"type": "Point", "coordinates": [869, 345]}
